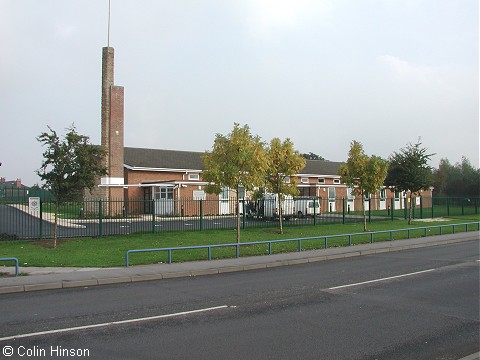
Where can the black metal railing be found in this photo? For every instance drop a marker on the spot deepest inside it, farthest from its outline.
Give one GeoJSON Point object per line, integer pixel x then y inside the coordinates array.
{"type": "Point", "coordinates": [19, 219]}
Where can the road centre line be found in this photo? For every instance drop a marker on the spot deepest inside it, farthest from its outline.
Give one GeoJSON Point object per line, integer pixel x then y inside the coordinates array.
{"type": "Point", "coordinates": [120, 322]}
{"type": "Point", "coordinates": [382, 279]}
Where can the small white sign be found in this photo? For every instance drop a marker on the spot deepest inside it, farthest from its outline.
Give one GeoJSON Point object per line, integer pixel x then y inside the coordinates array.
{"type": "Point", "coordinates": [199, 195]}
{"type": "Point", "coordinates": [33, 204]}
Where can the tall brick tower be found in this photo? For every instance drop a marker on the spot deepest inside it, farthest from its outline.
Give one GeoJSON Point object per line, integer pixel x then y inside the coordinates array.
{"type": "Point", "coordinates": [112, 129]}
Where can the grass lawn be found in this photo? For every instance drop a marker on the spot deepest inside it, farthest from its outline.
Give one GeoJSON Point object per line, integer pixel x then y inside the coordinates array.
{"type": "Point", "coordinates": [110, 251]}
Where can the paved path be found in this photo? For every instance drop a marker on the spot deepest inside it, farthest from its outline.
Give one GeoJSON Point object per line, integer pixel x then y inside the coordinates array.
{"type": "Point", "coordinates": [44, 278]}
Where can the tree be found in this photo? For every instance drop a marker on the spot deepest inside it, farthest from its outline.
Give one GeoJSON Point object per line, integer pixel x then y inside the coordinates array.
{"type": "Point", "coordinates": [441, 176]}
{"type": "Point", "coordinates": [236, 161]}
{"type": "Point", "coordinates": [283, 162]}
{"type": "Point", "coordinates": [312, 156]}
{"type": "Point", "coordinates": [70, 165]}
{"type": "Point", "coordinates": [363, 174]}
{"type": "Point", "coordinates": [461, 179]}
{"type": "Point", "coordinates": [409, 171]}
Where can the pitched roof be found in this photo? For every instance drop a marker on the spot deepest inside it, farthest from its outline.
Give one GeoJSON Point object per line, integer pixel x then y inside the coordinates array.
{"type": "Point", "coordinates": [191, 160]}
{"type": "Point", "coordinates": [162, 159]}
{"type": "Point", "coordinates": [321, 167]}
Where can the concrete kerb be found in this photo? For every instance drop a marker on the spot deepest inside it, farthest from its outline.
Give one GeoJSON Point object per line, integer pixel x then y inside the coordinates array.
{"type": "Point", "coordinates": [86, 277]}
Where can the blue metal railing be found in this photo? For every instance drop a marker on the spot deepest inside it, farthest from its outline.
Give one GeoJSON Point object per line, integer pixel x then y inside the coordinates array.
{"type": "Point", "coordinates": [12, 259]}
{"type": "Point", "coordinates": [299, 240]}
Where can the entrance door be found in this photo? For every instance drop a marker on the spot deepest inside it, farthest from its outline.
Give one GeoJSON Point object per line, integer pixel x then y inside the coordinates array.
{"type": "Point", "coordinates": [366, 201]}
{"type": "Point", "coordinates": [224, 201]}
{"type": "Point", "coordinates": [331, 199]}
{"type": "Point", "coordinates": [164, 203]}
{"type": "Point", "coordinates": [398, 202]}
{"type": "Point", "coordinates": [350, 201]}
{"type": "Point", "coordinates": [383, 199]}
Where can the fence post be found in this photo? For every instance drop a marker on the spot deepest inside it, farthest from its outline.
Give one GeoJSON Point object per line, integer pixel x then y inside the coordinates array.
{"type": "Point", "coordinates": [201, 214]}
{"type": "Point", "coordinates": [405, 209]}
{"type": "Point", "coordinates": [432, 206]}
{"type": "Point", "coordinates": [343, 212]}
{"type": "Point", "coordinates": [153, 215]}
{"type": "Point", "coordinates": [315, 210]}
{"type": "Point", "coordinates": [40, 218]}
{"type": "Point", "coordinates": [100, 217]}
{"type": "Point", "coordinates": [421, 207]}
{"type": "Point", "coordinates": [243, 213]}
{"type": "Point", "coordinates": [448, 207]}
{"type": "Point", "coordinates": [463, 206]}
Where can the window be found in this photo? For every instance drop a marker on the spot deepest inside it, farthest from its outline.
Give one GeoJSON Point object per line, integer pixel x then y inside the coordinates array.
{"type": "Point", "coordinates": [321, 181]}
{"type": "Point", "coordinates": [304, 180]}
{"type": "Point", "coordinates": [331, 193]}
{"type": "Point", "coordinates": [367, 195]}
{"type": "Point", "coordinates": [224, 194]}
{"type": "Point", "coordinates": [349, 194]}
{"type": "Point", "coordinates": [163, 193]}
{"type": "Point", "coordinates": [241, 192]}
{"type": "Point", "coordinates": [286, 180]}
{"type": "Point", "coordinates": [193, 176]}
{"type": "Point", "coordinates": [383, 194]}
{"type": "Point", "coordinates": [336, 181]}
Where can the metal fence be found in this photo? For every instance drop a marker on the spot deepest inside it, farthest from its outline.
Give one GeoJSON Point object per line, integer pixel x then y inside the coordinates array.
{"type": "Point", "coordinates": [96, 218]}
{"type": "Point", "coordinates": [314, 242]}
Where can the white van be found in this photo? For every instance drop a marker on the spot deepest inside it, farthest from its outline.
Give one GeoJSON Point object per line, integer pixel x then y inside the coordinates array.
{"type": "Point", "coordinates": [271, 206]}
{"type": "Point", "coordinates": [307, 206]}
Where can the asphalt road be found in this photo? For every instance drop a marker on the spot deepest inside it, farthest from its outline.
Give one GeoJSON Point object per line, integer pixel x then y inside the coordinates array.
{"type": "Point", "coordinates": [415, 304]}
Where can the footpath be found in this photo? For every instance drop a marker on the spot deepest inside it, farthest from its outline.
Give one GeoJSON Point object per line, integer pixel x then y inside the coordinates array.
{"type": "Point", "coordinates": [47, 278]}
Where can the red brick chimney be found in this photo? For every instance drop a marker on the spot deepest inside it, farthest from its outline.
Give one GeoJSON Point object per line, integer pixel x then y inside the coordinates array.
{"type": "Point", "coordinates": [18, 183]}
{"type": "Point", "coordinates": [2, 180]}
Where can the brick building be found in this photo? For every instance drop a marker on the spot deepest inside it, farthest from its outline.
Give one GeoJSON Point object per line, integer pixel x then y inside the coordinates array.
{"type": "Point", "coordinates": [169, 176]}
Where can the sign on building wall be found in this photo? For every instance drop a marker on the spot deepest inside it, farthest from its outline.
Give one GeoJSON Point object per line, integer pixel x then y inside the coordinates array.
{"type": "Point", "coordinates": [199, 195]}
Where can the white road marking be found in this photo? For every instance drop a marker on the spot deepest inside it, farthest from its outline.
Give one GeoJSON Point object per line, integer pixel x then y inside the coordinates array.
{"type": "Point", "coordinates": [378, 280]}
{"type": "Point", "coordinates": [121, 322]}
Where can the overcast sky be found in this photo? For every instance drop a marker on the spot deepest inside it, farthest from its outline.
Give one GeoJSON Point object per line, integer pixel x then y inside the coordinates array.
{"type": "Point", "coordinates": [320, 72]}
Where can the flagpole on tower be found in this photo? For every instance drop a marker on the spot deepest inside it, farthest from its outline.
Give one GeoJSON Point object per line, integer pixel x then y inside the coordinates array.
{"type": "Point", "coordinates": [108, 39]}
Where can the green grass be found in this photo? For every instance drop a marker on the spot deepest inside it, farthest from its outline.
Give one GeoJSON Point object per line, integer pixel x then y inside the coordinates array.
{"type": "Point", "coordinates": [110, 251]}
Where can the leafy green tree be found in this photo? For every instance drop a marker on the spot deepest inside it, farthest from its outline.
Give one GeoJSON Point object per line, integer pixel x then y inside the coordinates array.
{"type": "Point", "coordinates": [441, 175]}
{"type": "Point", "coordinates": [409, 171]}
{"type": "Point", "coordinates": [237, 160]}
{"type": "Point", "coordinates": [312, 156]}
{"type": "Point", "coordinates": [71, 164]}
{"type": "Point", "coordinates": [363, 174]}
{"type": "Point", "coordinates": [283, 162]}
{"type": "Point", "coordinates": [461, 179]}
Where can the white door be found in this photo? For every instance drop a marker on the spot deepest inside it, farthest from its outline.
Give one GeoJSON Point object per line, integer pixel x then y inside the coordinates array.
{"type": "Point", "coordinates": [350, 201]}
{"type": "Point", "coordinates": [383, 199]}
{"type": "Point", "coordinates": [366, 202]}
{"type": "Point", "coordinates": [398, 198]}
{"type": "Point", "coordinates": [164, 203]}
{"type": "Point", "coordinates": [331, 199]}
{"type": "Point", "coordinates": [224, 201]}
